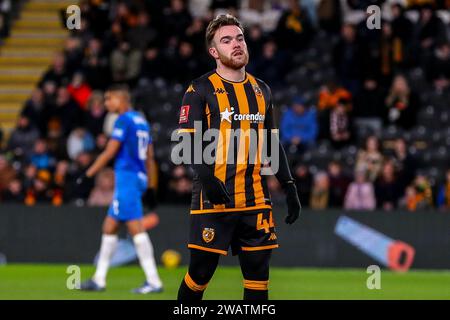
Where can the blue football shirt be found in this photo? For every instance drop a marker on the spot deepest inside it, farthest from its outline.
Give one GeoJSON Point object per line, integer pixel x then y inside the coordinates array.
{"type": "Point", "coordinates": [133, 131]}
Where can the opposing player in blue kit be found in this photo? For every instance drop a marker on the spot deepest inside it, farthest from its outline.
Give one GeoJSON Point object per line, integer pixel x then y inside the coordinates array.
{"type": "Point", "coordinates": [131, 146]}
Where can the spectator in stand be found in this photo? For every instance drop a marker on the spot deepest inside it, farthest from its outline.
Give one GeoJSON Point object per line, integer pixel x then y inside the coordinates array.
{"type": "Point", "coordinates": [195, 34]}
{"type": "Point", "coordinates": [23, 138]}
{"type": "Point", "coordinates": [338, 182]}
{"type": "Point", "coordinates": [369, 105]}
{"type": "Point", "coordinates": [310, 6]}
{"type": "Point", "coordinates": [29, 174]}
{"type": "Point", "coordinates": [255, 40]}
{"type": "Point", "coordinates": [94, 118]}
{"type": "Point", "coordinates": [79, 90]}
{"type": "Point", "coordinates": [36, 111]}
{"type": "Point", "coordinates": [404, 162]}
{"type": "Point", "coordinates": [79, 141]}
{"type": "Point", "coordinates": [340, 125]}
{"type": "Point", "coordinates": [184, 65]}
{"type": "Point", "coordinates": [103, 191]}
{"type": "Point", "coordinates": [143, 33]}
{"type": "Point", "coordinates": [303, 181]}
{"type": "Point", "coordinates": [413, 200]}
{"type": "Point", "coordinates": [320, 193]}
{"type": "Point", "coordinates": [59, 181]}
{"type": "Point", "coordinates": [84, 34]}
{"type": "Point", "coordinates": [57, 73]}
{"type": "Point", "coordinates": [265, 13]}
{"type": "Point", "coordinates": [402, 104]}
{"type": "Point", "coordinates": [423, 188]}
{"type": "Point", "coordinates": [330, 15]}
{"type": "Point", "coordinates": [430, 31]}
{"type": "Point", "coordinates": [125, 63]}
{"type": "Point", "coordinates": [348, 59]}
{"type": "Point", "coordinates": [443, 199]}
{"type": "Point", "coordinates": [14, 193]}
{"type": "Point", "coordinates": [391, 54]}
{"type": "Point", "coordinates": [294, 29]}
{"type": "Point", "coordinates": [370, 159]}
{"type": "Point", "coordinates": [100, 143]}
{"type": "Point", "coordinates": [298, 126]}
{"type": "Point", "coordinates": [80, 193]}
{"type": "Point", "coordinates": [271, 65]}
{"type": "Point", "coordinates": [387, 188]}
{"type": "Point", "coordinates": [177, 19]}
{"type": "Point", "coordinates": [50, 90]}
{"type": "Point", "coordinates": [95, 65]}
{"type": "Point", "coordinates": [7, 173]}
{"type": "Point", "coordinates": [153, 64]}
{"type": "Point", "coordinates": [438, 71]}
{"type": "Point", "coordinates": [180, 185]}
{"type": "Point", "coordinates": [329, 95]}
{"type": "Point", "coordinates": [402, 35]}
{"type": "Point", "coordinates": [73, 54]}
{"type": "Point", "coordinates": [39, 191]}
{"type": "Point", "coordinates": [40, 157]}
{"type": "Point", "coordinates": [66, 112]}
{"type": "Point", "coordinates": [402, 27]}
{"type": "Point", "coordinates": [360, 193]}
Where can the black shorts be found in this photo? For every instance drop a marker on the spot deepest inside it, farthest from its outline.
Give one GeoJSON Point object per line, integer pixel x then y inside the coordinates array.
{"type": "Point", "coordinates": [242, 230]}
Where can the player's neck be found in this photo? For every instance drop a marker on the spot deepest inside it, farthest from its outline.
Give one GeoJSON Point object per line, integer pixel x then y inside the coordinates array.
{"type": "Point", "coordinates": [124, 109]}
{"type": "Point", "coordinates": [231, 74]}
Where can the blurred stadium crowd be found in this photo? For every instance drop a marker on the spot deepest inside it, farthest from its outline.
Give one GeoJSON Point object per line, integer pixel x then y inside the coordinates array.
{"type": "Point", "coordinates": [364, 113]}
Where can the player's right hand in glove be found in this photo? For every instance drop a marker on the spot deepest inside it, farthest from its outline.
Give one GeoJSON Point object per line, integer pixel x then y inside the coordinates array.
{"type": "Point", "coordinates": [215, 190]}
{"type": "Point", "coordinates": [293, 202]}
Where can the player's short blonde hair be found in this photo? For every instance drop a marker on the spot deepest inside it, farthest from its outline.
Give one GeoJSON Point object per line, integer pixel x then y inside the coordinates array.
{"type": "Point", "coordinates": [220, 21]}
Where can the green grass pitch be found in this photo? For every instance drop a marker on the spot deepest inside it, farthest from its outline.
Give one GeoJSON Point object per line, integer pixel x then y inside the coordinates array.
{"type": "Point", "coordinates": [29, 281]}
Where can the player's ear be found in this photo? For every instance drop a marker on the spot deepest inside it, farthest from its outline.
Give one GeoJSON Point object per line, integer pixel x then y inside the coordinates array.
{"type": "Point", "coordinates": [213, 52]}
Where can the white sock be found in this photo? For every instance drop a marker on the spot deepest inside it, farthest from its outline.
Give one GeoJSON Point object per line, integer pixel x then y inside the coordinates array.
{"type": "Point", "coordinates": [107, 248]}
{"type": "Point", "coordinates": [144, 249]}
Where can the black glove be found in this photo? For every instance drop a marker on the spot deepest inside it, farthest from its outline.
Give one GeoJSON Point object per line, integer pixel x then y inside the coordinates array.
{"type": "Point", "coordinates": [149, 198]}
{"type": "Point", "coordinates": [293, 202]}
{"type": "Point", "coordinates": [215, 190]}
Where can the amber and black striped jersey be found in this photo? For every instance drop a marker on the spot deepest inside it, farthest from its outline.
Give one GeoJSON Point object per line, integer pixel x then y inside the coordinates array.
{"type": "Point", "coordinates": [221, 104]}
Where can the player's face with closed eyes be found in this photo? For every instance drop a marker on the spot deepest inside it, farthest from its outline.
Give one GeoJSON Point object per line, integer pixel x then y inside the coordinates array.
{"type": "Point", "coordinates": [229, 47]}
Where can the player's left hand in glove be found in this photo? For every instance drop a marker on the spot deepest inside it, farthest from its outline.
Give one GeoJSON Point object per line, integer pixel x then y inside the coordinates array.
{"type": "Point", "coordinates": [293, 202]}
{"type": "Point", "coordinates": [149, 198]}
{"type": "Point", "coordinates": [215, 190]}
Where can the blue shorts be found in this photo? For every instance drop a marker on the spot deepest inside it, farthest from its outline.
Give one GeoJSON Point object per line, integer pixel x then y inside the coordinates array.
{"type": "Point", "coordinates": [127, 202]}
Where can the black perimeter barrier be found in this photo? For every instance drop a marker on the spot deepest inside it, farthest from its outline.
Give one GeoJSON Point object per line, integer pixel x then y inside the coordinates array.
{"type": "Point", "coordinates": [69, 234]}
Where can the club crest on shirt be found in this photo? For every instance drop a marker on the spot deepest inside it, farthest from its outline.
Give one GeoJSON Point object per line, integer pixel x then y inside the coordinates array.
{"type": "Point", "coordinates": [208, 234]}
{"type": "Point", "coordinates": [257, 89]}
{"type": "Point", "coordinates": [184, 114]}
